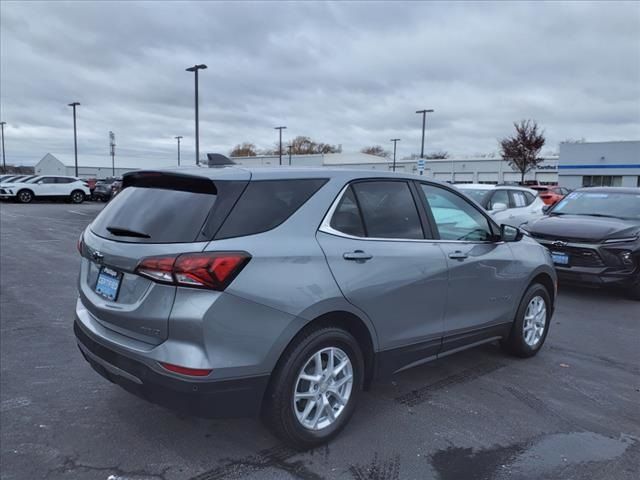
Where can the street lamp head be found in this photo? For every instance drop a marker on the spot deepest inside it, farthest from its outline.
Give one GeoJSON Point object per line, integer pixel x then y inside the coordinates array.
{"type": "Point", "coordinates": [3, 123]}
{"type": "Point", "coordinates": [425, 111]}
{"type": "Point", "coordinates": [394, 140]}
{"type": "Point", "coordinates": [201, 66]}
{"type": "Point", "coordinates": [178, 137]}
{"type": "Point", "coordinates": [279, 128]}
{"type": "Point", "coordinates": [74, 104]}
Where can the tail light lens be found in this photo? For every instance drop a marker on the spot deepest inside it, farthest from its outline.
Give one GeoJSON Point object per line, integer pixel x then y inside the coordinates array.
{"type": "Point", "coordinates": [211, 270]}
{"type": "Point", "coordinates": [191, 372]}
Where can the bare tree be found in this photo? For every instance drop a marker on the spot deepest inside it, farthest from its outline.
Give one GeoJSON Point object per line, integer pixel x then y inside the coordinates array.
{"type": "Point", "coordinates": [376, 150]}
{"type": "Point", "coordinates": [305, 146]}
{"type": "Point", "coordinates": [437, 155]}
{"type": "Point", "coordinates": [521, 150]}
{"type": "Point", "coordinates": [244, 149]}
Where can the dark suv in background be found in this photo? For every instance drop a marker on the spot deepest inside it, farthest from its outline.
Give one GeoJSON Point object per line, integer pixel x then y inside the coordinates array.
{"type": "Point", "coordinates": [593, 235]}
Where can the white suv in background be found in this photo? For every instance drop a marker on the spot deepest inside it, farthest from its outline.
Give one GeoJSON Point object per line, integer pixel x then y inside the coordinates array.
{"type": "Point", "coordinates": [508, 204]}
{"type": "Point", "coordinates": [46, 186]}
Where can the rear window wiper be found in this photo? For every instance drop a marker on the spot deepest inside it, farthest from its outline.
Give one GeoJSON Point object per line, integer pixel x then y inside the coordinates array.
{"type": "Point", "coordinates": [125, 232]}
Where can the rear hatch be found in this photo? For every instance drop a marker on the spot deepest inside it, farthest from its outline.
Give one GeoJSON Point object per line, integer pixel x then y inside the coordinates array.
{"type": "Point", "coordinates": [156, 214]}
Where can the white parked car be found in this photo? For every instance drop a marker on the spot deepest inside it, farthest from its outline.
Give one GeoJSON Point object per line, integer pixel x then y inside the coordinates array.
{"type": "Point", "coordinates": [46, 186]}
{"type": "Point", "coordinates": [508, 204]}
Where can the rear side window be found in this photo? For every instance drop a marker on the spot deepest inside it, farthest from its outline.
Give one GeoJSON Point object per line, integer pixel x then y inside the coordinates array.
{"type": "Point", "coordinates": [155, 215]}
{"type": "Point", "coordinates": [499, 196]}
{"type": "Point", "coordinates": [265, 204]}
{"type": "Point", "coordinates": [346, 218]}
{"type": "Point", "coordinates": [388, 210]}
{"type": "Point", "coordinates": [64, 180]}
{"type": "Point", "coordinates": [519, 199]}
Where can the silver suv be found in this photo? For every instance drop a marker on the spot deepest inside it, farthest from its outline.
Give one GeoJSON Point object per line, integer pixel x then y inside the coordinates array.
{"type": "Point", "coordinates": [285, 292]}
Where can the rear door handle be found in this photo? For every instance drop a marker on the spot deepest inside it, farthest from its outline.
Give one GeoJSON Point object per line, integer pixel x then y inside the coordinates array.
{"type": "Point", "coordinates": [458, 255]}
{"type": "Point", "coordinates": [357, 255]}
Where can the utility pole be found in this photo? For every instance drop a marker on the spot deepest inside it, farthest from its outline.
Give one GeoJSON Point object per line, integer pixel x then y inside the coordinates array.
{"type": "Point", "coordinates": [424, 121]}
{"type": "Point", "coordinates": [280, 134]}
{"type": "Point", "coordinates": [289, 147]}
{"type": "Point", "coordinates": [75, 135]}
{"type": "Point", "coordinates": [195, 69]}
{"type": "Point", "coordinates": [395, 141]}
{"type": "Point", "coordinates": [178, 138]}
{"type": "Point", "coordinates": [112, 145]}
{"type": "Point", "coordinates": [4, 162]}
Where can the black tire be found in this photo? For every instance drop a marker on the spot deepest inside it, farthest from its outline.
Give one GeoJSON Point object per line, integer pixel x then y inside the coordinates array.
{"type": "Point", "coordinates": [24, 196]}
{"type": "Point", "coordinates": [515, 343]}
{"type": "Point", "coordinates": [278, 410]}
{"type": "Point", "coordinates": [77, 196]}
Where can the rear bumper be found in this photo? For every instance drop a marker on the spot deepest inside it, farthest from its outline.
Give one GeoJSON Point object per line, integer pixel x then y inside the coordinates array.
{"type": "Point", "coordinates": [239, 397]}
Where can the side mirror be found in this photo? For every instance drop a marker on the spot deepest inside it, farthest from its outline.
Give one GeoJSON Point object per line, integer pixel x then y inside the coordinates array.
{"type": "Point", "coordinates": [546, 209]}
{"type": "Point", "coordinates": [499, 207]}
{"type": "Point", "coordinates": [510, 233]}
{"type": "Point", "coordinates": [40, 182]}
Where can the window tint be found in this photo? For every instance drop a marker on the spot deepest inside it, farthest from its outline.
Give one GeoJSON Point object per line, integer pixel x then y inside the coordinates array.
{"type": "Point", "coordinates": [265, 204]}
{"type": "Point", "coordinates": [519, 200]}
{"type": "Point", "coordinates": [499, 196]}
{"type": "Point", "coordinates": [530, 197]}
{"type": "Point", "coordinates": [346, 218]}
{"type": "Point", "coordinates": [158, 215]}
{"type": "Point", "coordinates": [64, 180]}
{"type": "Point", "coordinates": [47, 180]}
{"type": "Point", "coordinates": [455, 218]}
{"type": "Point", "coordinates": [388, 209]}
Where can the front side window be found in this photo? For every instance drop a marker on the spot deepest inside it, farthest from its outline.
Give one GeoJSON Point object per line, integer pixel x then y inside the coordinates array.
{"type": "Point", "coordinates": [388, 209]}
{"type": "Point", "coordinates": [64, 180]}
{"type": "Point", "coordinates": [499, 196]}
{"type": "Point", "coordinates": [47, 180]}
{"type": "Point", "coordinates": [455, 218]}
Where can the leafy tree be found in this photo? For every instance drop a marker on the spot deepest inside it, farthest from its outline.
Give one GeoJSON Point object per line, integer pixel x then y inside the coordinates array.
{"type": "Point", "coordinates": [521, 150]}
{"type": "Point", "coordinates": [376, 150]}
{"type": "Point", "coordinates": [245, 149]}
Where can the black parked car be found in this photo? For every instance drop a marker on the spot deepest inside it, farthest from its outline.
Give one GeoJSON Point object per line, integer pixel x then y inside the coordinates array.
{"type": "Point", "coordinates": [103, 190]}
{"type": "Point", "coordinates": [593, 235]}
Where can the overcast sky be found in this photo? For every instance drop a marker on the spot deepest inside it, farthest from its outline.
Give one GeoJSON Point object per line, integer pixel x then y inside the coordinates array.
{"type": "Point", "coordinates": [350, 74]}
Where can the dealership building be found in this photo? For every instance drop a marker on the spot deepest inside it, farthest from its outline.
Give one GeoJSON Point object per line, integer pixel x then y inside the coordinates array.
{"type": "Point", "coordinates": [590, 164]}
{"type": "Point", "coordinates": [579, 164]}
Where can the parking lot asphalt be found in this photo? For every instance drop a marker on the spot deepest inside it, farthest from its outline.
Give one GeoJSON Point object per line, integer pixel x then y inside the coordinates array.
{"type": "Point", "coordinates": [572, 412]}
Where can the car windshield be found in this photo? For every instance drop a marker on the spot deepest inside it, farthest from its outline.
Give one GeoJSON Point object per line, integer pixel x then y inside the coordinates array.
{"type": "Point", "coordinates": [476, 193]}
{"type": "Point", "coordinates": [600, 204]}
{"type": "Point", "coordinates": [33, 180]}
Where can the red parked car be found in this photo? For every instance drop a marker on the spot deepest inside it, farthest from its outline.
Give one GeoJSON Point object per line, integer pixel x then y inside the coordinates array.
{"type": "Point", "coordinates": [551, 195]}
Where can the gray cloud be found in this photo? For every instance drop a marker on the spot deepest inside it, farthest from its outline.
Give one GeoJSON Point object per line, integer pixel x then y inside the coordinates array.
{"type": "Point", "coordinates": [347, 73]}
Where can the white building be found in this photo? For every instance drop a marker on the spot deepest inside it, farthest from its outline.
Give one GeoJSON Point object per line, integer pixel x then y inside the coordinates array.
{"type": "Point", "coordinates": [600, 163]}
{"type": "Point", "coordinates": [51, 165]}
{"type": "Point", "coordinates": [468, 170]}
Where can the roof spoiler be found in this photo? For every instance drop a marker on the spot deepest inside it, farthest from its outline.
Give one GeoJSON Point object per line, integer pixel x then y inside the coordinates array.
{"type": "Point", "coordinates": [218, 160]}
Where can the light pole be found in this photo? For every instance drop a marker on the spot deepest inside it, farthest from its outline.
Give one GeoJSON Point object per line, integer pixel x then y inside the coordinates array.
{"type": "Point", "coordinates": [395, 141]}
{"type": "Point", "coordinates": [112, 146]}
{"type": "Point", "coordinates": [179, 137]}
{"type": "Point", "coordinates": [289, 147]}
{"type": "Point", "coordinates": [4, 163]}
{"type": "Point", "coordinates": [195, 69]}
{"type": "Point", "coordinates": [280, 134]}
{"type": "Point", "coordinates": [75, 135]}
{"type": "Point", "coordinates": [424, 121]}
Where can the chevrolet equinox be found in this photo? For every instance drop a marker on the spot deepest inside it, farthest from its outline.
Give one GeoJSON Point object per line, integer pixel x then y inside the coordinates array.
{"type": "Point", "coordinates": [284, 292]}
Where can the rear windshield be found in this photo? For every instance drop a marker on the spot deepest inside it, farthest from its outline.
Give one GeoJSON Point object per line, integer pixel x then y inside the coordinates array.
{"type": "Point", "coordinates": [154, 215]}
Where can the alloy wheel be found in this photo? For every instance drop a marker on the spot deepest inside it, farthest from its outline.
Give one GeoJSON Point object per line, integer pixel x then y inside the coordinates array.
{"type": "Point", "coordinates": [535, 320]}
{"type": "Point", "coordinates": [323, 388]}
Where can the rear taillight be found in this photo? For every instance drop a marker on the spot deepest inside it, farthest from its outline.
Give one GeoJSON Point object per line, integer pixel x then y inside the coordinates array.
{"type": "Point", "coordinates": [212, 270]}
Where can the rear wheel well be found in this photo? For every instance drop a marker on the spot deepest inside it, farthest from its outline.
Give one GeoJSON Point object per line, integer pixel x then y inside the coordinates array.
{"type": "Point", "coordinates": [352, 324]}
